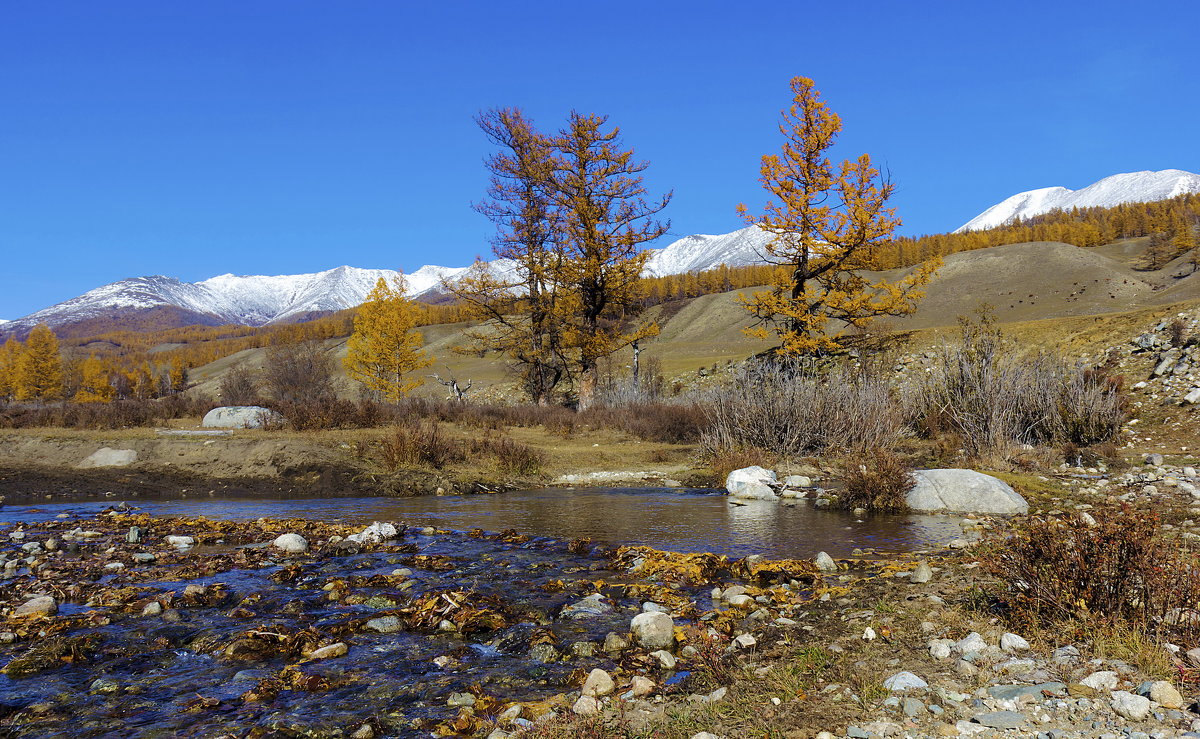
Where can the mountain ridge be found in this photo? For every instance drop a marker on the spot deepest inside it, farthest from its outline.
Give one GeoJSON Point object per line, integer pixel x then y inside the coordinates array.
{"type": "Point", "coordinates": [1128, 187]}
{"type": "Point", "coordinates": [258, 300]}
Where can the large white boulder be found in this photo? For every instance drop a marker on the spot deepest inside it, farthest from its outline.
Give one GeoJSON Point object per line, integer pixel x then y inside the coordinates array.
{"type": "Point", "coordinates": [752, 483]}
{"type": "Point", "coordinates": [963, 491]}
{"type": "Point", "coordinates": [240, 417]}
{"type": "Point", "coordinates": [105, 457]}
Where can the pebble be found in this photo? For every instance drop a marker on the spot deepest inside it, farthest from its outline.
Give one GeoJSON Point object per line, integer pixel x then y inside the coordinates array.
{"type": "Point", "coordinates": [902, 681]}
{"type": "Point", "coordinates": [586, 706]}
{"type": "Point", "coordinates": [1101, 680]}
{"type": "Point", "coordinates": [922, 573]}
{"type": "Point", "coordinates": [665, 658]}
{"type": "Point", "coordinates": [1001, 720]}
{"type": "Point", "coordinates": [1164, 694]}
{"type": "Point", "coordinates": [329, 651]}
{"type": "Point", "coordinates": [384, 624]}
{"type": "Point", "coordinates": [1010, 642]}
{"type": "Point", "coordinates": [824, 562]}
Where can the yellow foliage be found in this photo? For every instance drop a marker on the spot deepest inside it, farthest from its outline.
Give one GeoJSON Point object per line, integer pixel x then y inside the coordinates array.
{"type": "Point", "coordinates": [39, 374]}
{"type": "Point", "coordinates": [10, 355]}
{"type": "Point", "coordinates": [384, 348]}
{"type": "Point", "coordinates": [829, 225]}
{"type": "Point", "coordinates": [94, 385]}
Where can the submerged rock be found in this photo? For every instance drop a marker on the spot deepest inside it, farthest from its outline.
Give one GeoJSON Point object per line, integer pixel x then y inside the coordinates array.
{"type": "Point", "coordinates": [589, 607]}
{"type": "Point", "coordinates": [376, 533]}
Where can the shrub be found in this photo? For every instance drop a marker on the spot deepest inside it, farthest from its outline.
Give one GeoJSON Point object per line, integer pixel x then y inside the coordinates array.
{"type": "Point", "coordinates": [722, 461]}
{"type": "Point", "coordinates": [420, 444]}
{"type": "Point", "coordinates": [879, 483]}
{"type": "Point", "coordinates": [786, 410]}
{"type": "Point", "coordinates": [239, 388]}
{"type": "Point", "coordinates": [512, 457]}
{"type": "Point", "coordinates": [298, 372]}
{"type": "Point", "coordinates": [1122, 570]}
{"type": "Point", "coordinates": [986, 393]}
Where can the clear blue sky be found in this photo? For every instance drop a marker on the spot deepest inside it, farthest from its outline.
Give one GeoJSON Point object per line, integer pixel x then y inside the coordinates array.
{"type": "Point", "coordinates": [274, 137]}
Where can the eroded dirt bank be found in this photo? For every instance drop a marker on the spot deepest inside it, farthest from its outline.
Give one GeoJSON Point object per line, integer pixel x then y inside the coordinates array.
{"type": "Point", "coordinates": [54, 465]}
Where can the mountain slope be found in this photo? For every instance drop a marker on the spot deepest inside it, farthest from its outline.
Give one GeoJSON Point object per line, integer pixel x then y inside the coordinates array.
{"type": "Point", "coordinates": [159, 302]}
{"type": "Point", "coordinates": [1131, 187]}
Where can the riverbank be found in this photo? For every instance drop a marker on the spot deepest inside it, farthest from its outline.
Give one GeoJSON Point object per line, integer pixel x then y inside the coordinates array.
{"type": "Point", "coordinates": [58, 464]}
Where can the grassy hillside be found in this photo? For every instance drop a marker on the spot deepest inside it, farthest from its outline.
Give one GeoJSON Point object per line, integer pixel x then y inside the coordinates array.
{"type": "Point", "coordinates": [1045, 293]}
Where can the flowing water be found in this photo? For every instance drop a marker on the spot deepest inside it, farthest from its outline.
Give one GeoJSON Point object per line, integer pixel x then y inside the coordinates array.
{"type": "Point", "coordinates": [156, 677]}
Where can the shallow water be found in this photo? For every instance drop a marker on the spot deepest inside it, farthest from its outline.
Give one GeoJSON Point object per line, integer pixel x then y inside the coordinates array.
{"type": "Point", "coordinates": [676, 520]}
{"type": "Point", "coordinates": [174, 679]}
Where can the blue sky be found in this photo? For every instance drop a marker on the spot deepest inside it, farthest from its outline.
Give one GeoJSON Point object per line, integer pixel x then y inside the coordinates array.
{"type": "Point", "coordinates": [273, 137]}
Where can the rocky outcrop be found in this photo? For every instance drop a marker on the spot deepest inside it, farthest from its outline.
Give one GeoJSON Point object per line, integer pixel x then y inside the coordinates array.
{"type": "Point", "coordinates": [963, 491]}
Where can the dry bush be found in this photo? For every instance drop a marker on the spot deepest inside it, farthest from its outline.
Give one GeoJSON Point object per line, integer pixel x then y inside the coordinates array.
{"type": "Point", "coordinates": [118, 414]}
{"type": "Point", "coordinates": [238, 387]}
{"type": "Point", "coordinates": [1124, 570]}
{"type": "Point", "coordinates": [420, 444]}
{"type": "Point", "coordinates": [425, 444]}
{"type": "Point", "coordinates": [672, 423]}
{"type": "Point", "coordinates": [723, 461]}
{"type": "Point", "coordinates": [983, 391]}
{"type": "Point", "coordinates": [789, 411]}
{"type": "Point", "coordinates": [512, 457]}
{"type": "Point", "coordinates": [1177, 332]}
{"type": "Point", "coordinates": [298, 372]}
{"type": "Point", "coordinates": [880, 482]}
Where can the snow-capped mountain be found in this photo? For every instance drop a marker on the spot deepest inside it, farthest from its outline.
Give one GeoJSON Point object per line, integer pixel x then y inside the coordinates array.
{"type": "Point", "coordinates": [701, 251]}
{"type": "Point", "coordinates": [258, 300]}
{"type": "Point", "coordinates": [1131, 187]}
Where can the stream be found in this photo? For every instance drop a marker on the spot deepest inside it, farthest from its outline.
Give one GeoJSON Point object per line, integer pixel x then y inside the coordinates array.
{"type": "Point", "coordinates": [200, 669]}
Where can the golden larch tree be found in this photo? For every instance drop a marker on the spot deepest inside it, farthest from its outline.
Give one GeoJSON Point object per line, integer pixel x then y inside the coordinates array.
{"type": "Point", "coordinates": [95, 385]}
{"type": "Point", "coordinates": [384, 349]}
{"type": "Point", "coordinates": [519, 303]}
{"type": "Point", "coordinates": [177, 375]}
{"type": "Point", "coordinates": [604, 221]}
{"type": "Point", "coordinates": [39, 372]}
{"type": "Point", "coordinates": [10, 357]}
{"type": "Point", "coordinates": [829, 225]}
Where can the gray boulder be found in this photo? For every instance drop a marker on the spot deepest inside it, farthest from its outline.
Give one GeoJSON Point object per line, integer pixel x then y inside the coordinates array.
{"type": "Point", "coordinates": [963, 491]}
{"type": "Point", "coordinates": [240, 417]}
{"type": "Point", "coordinates": [105, 457]}
{"type": "Point", "coordinates": [751, 483]}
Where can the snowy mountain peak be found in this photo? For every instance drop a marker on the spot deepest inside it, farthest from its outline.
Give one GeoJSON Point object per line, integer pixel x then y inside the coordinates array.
{"type": "Point", "coordinates": [1130, 187]}
{"type": "Point", "coordinates": [256, 300]}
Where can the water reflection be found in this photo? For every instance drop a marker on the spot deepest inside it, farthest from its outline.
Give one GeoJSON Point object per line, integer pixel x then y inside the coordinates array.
{"type": "Point", "coordinates": [668, 519]}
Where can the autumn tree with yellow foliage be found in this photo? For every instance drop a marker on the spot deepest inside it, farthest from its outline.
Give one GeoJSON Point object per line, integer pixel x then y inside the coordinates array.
{"type": "Point", "coordinates": [10, 355]}
{"type": "Point", "coordinates": [384, 349]}
{"type": "Point", "coordinates": [604, 222]}
{"type": "Point", "coordinates": [828, 225]}
{"type": "Point", "coordinates": [95, 384]}
{"type": "Point", "coordinates": [521, 307]}
{"type": "Point", "coordinates": [39, 373]}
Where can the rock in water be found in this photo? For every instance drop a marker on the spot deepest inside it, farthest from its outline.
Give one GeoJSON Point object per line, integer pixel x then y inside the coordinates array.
{"type": "Point", "coordinates": [964, 491]}
{"type": "Point", "coordinates": [824, 562]}
{"type": "Point", "coordinates": [240, 417]}
{"type": "Point", "coordinates": [376, 533]}
{"type": "Point", "coordinates": [105, 457]}
{"type": "Point", "coordinates": [653, 630]}
{"type": "Point", "coordinates": [41, 605]}
{"type": "Point", "coordinates": [751, 482]}
{"type": "Point", "coordinates": [291, 543]}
